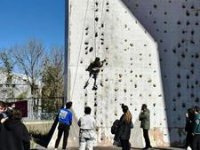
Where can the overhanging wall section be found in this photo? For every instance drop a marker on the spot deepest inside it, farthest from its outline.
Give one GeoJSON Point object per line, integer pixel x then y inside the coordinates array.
{"type": "Point", "coordinates": [174, 25]}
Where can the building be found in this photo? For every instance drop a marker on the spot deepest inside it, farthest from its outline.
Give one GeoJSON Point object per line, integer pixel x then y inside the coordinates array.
{"type": "Point", "coordinates": [152, 56]}
{"type": "Point", "coordinates": [19, 90]}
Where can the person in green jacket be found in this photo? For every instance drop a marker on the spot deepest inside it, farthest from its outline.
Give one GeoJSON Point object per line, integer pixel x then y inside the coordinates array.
{"type": "Point", "coordinates": [196, 130]}
{"type": "Point", "coordinates": [144, 117]}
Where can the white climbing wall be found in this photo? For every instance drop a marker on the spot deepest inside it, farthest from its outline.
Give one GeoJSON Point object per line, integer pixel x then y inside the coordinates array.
{"type": "Point", "coordinates": [152, 54]}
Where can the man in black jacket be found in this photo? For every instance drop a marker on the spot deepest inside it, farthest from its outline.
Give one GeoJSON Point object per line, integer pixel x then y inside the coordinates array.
{"type": "Point", "coordinates": [16, 133]}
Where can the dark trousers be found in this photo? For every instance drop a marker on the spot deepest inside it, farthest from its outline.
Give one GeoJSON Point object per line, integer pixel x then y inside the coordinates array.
{"type": "Point", "coordinates": [146, 137]}
{"type": "Point", "coordinates": [189, 139]}
{"type": "Point", "coordinates": [27, 145]}
{"type": "Point", "coordinates": [125, 144]}
{"type": "Point", "coordinates": [196, 142]}
{"type": "Point", "coordinates": [62, 128]}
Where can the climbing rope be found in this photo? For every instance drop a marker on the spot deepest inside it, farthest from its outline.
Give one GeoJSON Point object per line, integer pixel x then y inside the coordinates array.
{"type": "Point", "coordinates": [102, 18]}
{"type": "Point", "coordinates": [94, 38]}
{"type": "Point", "coordinates": [94, 24]}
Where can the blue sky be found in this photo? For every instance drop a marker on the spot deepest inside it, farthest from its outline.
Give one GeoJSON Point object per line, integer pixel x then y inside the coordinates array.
{"type": "Point", "coordinates": [22, 20]}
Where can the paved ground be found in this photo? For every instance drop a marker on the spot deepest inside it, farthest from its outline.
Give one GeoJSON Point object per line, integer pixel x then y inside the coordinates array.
{"type": "Point", "coordinates": [117, 148]}
{"type": "Point", "coordinates": [73, 141]}
{"type": "Point", "coordinates": [114, 148]}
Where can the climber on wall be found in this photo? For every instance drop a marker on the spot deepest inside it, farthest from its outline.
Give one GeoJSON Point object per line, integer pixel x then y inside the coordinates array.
{"type": "Point", "coordinates": [93, 70]}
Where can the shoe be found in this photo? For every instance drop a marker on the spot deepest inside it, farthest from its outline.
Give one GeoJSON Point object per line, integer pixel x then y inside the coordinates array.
{"type": "Point", "coordinates": [188, 148]}
{"type": "Point", "coordinates": [148, 147]}
{"type": "Point", "coordinates": [94, 87]}
{"type": "Point", "coordinates": [86, 84]}
{"type": "Point", "coordinates": [115, 143]}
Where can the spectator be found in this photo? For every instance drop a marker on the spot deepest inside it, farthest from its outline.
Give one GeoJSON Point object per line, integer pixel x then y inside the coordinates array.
{"type": "Point", "coordinates": [3, 117]}
{"type": "Point", "coordinates": [189, 126]}
{"type": "Point", "coordinates": [125, 126]}
{"type": "Point", "coordinates": [65, 121]}
{"type": "Point", "coordinates": [87, 133]}
{"type": "Point", "coordinates": [144, 117]}
{"type": "Point", "coordinates": [17, 136]}
{"type": "Point", "coordinates": [196, 130]}
{"type": "Point", "coordinates": [3, 113]}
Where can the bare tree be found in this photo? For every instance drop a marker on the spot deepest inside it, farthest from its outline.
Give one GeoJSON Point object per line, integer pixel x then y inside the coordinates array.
{"type": "Point", "coordinates": [29, 58]}
{"type": "Point", "coordinates": [7, 68]}
{"type": "Point", "coordinates": [52, 78]}
{"type": "Point", "coordinates": [7, 65]}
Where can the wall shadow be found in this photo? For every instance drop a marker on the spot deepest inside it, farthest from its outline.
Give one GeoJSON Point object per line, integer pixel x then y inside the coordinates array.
{"type": "Point", "coordinates": [174, 25]}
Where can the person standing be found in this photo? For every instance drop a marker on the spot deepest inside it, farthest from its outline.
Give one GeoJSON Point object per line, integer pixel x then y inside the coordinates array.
{"type": "Point", "coordinates": [125, 125]}
{"type": "Point", "coordinates": [196, 130]}
{"type": "Point", "coordinates": [189, 127]}
{"type": "Point", "coordinates": [17, 136]}
{"type": "Point", "coordinates": [3, 118]}
{"type": "Point", "coordinates": [65, 121]}
{"type": "Point", "coordinates": [87, 134]}
{"type": "Point", "coordinates": [144, 117]}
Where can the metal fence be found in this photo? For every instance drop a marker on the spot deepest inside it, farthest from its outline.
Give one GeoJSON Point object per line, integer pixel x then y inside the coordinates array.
{"type": "Point", "coordinates": [37, 108]}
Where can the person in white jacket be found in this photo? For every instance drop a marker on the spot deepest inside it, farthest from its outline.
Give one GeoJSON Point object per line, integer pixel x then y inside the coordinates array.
{"type": "Point", "coordinates": [87, 133]}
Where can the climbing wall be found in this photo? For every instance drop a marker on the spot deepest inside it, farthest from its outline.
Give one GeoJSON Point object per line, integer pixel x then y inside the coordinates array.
{"type": "Point", "coordinates": [152, 53]}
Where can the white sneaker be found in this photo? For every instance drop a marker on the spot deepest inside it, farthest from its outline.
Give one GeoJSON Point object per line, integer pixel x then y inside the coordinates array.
{"type": "Point", "coordinates": [188, 148]}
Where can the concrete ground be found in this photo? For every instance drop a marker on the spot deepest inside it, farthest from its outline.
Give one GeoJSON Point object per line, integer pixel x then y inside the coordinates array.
{"type": "Point", "coordinates": [110, 148]}
{"type": "Point", "coordinates": [73, 143]}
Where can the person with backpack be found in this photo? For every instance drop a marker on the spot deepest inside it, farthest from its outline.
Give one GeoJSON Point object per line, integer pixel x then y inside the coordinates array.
{"type": "Point", "coordinates": [125, 125]}
{"type": "Point", "coordinates": [196, 130]}
{"type": "Point", "coordinates": [65, 121]}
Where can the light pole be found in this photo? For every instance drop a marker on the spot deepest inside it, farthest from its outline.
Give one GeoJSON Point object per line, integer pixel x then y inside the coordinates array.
{"type": "Point", "coordinates": [66, 51]}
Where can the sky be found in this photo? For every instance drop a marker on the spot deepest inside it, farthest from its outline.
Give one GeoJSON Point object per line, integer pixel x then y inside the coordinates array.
{"type": "Point", "coordinates": [22, 20]}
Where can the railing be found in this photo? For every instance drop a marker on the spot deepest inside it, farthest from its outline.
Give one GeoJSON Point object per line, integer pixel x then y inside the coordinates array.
{"type": "Point", "coordinates": [38, 108]}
